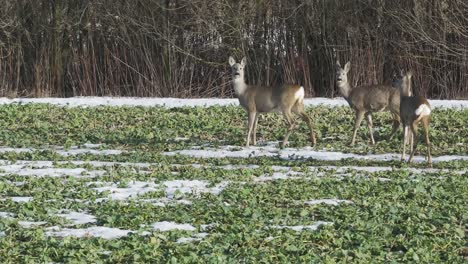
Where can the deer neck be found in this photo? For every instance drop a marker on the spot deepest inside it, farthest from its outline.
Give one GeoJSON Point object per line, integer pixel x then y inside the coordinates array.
{"type": "Point", "coordinates": [345, 90]}
{"type": "Point", "coordinates": [239, 86]}
{"type": "Point", "coordinates": [405, 89]}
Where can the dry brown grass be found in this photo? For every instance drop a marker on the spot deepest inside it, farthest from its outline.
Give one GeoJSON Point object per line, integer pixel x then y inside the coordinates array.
{"type": "Point", "coordinates": [180, 48]}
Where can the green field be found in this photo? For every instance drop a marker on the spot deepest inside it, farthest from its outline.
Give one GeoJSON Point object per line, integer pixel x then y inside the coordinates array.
{"type": "Point", "coordinates": [113, 177]}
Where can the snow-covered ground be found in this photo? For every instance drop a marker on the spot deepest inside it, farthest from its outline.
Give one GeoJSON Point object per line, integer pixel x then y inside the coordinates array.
{"type": "Point", "coordinates": [295, 153]}
{"type": "Point", "coordinates": [177, 102]}
{"type": "Point", "coordinates": [84, 224]}
{"type": "Point", "coordinates": [313, 227]}
{"type": "Point", "coordinates": [74, 150]}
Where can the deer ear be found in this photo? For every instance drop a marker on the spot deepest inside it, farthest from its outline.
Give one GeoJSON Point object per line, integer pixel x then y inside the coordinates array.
{"type": "Point", "coordinates": [232, 61]}
{"type": "Point", "coordinates": [243, 61]}
{"type": "Point", "coordinates": [347, 66]}
{"type": "Point", "coordinates": [402, 73]}
{"type": "Point", "coordinates": [409, 74]}
{"type": "Point", "coordinates": [338, 65]}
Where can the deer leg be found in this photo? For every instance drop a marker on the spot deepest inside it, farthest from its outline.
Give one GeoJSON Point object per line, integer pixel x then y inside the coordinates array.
{"type": "Point", "coordinates": [357, 123]}
{"type": "Point", "coordinates": [408, 134]}
{"type": "Point", "coordinates": [250, 126]}
{"type": "Point", "coordinates": [300, 111]}
{"type": "Point", "coordinates": [405, 135]}
{"type": "Point", "coordinates": [414, 130]}
{"type": "Point", "coordinates": [428, 143]}
{"type": "Point", "coordinates": [369, 126]}
{"type": "Point", "coordinates": [306, 119]}
{"type": "Point", "coordinates": [396, 125]}
{"type": "Point", "coordinates": [411, 139]}
{"type": "Point", "coordinates": [291, 125]}
{"type": "Point", "coordinates": [254, 132]}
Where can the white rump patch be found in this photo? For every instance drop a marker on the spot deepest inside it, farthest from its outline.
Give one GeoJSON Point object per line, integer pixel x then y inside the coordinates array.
{"type": "Point", "coordinates": [300, 93]}
{"type": "Point", "coordinates": [423, 110]}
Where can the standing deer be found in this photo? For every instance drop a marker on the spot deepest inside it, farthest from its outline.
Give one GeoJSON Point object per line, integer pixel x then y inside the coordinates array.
{"type": "Point", "coordinates": [263, 99]}
{"type": "Point", "coordinates": [365, 100]}
{"type": "Point", "coordinates": [413, 110]}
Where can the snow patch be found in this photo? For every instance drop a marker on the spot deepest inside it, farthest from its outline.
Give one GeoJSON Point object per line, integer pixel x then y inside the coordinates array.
{"type": "Point", "coordinates": [90, 101]}
{"type": "Point", "coordinates": [49, 172]}
{"type": "Point", "coordinates": [91, 145]}
{"type": "Point", "coordinates": [28, 224]}
{"type": "Point", "coordinates": [179, 139]}
{"type": "Point", "coordinates": [168, 226]}
{"type": "Point", "coordinates": [328, 202]}
{"type": "Point", "coordinates": [338, 169]}
{"type": "Point", "coordinates": [18, 199]}
{"type": "Point", "coordinates": [136, 188]}
{"type": "Point", "coordinates": [133, 189]}
{"type": "Point", "coordinates": [63, 152]}
{"type": "Point", "coordinates": [301, 227]}
{"type": "Point", "coordinates": [78, 218]}
{"type": "Point", "coordinates": [163, 202]}
{"type": "Point", "coordinates": [278, 176]}
{"type": "Point", "coordinates": [195, 237]}
{"type": "Point", "coordinates": [95, 231]}
{"type": "Point", "coordinates": [6, 215]}
{"type": "Point", "coordinates": [294, 154]}
{"type": "Point", "coordinates": [191, 186]}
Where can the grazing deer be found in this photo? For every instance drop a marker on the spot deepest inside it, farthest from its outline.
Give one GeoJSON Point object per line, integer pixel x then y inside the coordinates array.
{"type": "Point", "coordinates": [262, 99]}
{"type": "Point", "coordinates": [413, 110]}
{"type": "Point", "coordinates": [368, 99]}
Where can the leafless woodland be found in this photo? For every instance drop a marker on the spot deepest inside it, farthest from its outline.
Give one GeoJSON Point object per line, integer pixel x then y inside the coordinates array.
{"type": "Point", "coordinates": [180, 48]}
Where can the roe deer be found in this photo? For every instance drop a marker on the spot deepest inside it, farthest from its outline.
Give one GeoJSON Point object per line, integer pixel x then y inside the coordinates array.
{"type": "Point", "coordinates": [262, 99]}
{"type": "Point", "coordinates": [413, 110]}
{"type": "Point", "coordinates": [365, 100]}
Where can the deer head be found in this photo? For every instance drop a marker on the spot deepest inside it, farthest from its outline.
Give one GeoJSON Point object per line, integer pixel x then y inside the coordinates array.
{"type": "Point", "coordinates": [237, 68]}
{"type": "Point", "coordinates": [342, 74]}
{"type": "Point", "coordinates": [342, 78]}
{"type": "Point", "coordinates": [404, 83]}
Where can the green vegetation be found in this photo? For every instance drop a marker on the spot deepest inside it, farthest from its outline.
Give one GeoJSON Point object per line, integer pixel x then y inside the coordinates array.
{"type": "Point", "coordinates": [156, 129]}
{"type": "Point", "coordinates": [401, 215]}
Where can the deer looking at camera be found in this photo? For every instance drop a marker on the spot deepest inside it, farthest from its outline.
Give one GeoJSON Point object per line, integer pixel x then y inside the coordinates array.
{"type": "Point", "coordinates": [365, 100]}
{"type": "Point", "coordinates": [287, 99]}
{"type": "Point", "coordinates": [413, 110]}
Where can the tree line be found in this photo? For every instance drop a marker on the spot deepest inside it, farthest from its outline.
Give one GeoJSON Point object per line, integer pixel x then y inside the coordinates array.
{"type": "Point", "coordinates": [180, 48]}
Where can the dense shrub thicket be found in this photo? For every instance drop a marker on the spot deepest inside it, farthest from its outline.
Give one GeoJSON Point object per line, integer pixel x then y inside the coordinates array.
{"type": "Point", "coordinates": [180, 47]}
